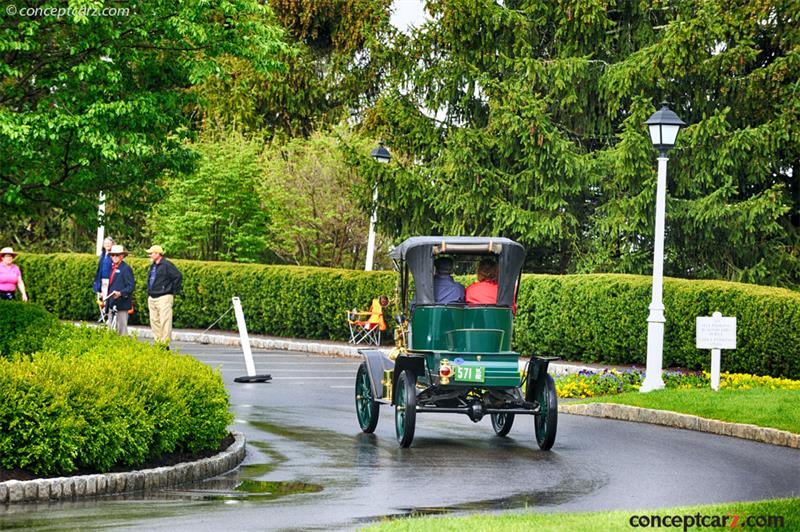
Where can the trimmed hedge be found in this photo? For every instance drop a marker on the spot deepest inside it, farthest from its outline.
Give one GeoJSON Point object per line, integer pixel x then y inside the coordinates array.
{"type": "Point", "coordinates": [22, 327]}
{"type": "Point", "coordinates": [89, 400]}
{"type": "Point", "coordinates": [590, 318]}
{"type": "Point", "coordinates": [603, 318]}
{"type": "Point", "coordinates": [303, 302]}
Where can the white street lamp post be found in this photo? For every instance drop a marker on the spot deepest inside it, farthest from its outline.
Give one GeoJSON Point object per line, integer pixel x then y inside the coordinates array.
{"type": "Point", "coordinates": [381, 155]}
{"type": "Point", "coordinates": [101, 228]}
{"type": "Point", "coordinates": [664, 125]}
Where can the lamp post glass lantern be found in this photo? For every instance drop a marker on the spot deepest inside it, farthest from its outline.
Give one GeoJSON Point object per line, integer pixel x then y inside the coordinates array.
{"type": "Point", "coordinates": [664, 125]}
{"type": "Point", "coordinates": [381, 155]}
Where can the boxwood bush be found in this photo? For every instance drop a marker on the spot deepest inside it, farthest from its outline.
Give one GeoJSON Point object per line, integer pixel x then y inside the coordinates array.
{"type": "Point", "coordinates": [23, 326]}
{"type": "Point", "coordinates": [88, 400]}
{"type": "Point", "coordinates": [304, 302]}
{"type": "Point", "coordinates": [603, 318]}
{"type": "Point", "coordinates": [591, 318]}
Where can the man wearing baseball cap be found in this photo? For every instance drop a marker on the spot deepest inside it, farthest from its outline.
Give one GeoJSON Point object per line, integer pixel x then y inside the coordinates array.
{"type": "Point", "coordinates": [163, 283]}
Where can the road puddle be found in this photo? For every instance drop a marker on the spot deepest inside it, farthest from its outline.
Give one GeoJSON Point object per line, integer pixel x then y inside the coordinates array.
{"type": "Point", "coordinates": [275, 489]}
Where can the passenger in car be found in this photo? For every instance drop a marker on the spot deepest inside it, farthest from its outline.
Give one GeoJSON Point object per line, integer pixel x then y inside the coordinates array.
{"type": "Point", "coordinates": [484, 292]}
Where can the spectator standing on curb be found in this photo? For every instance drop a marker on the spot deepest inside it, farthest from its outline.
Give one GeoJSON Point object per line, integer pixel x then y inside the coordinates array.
{"type": "Point", "coordinates": [10, 276]}
{"type": "Point", "coordinates": [120, 286]}
{"type": "Point", "coordinates": [163, 283]}
{"type": "Point", "coordinates": [103, 269]}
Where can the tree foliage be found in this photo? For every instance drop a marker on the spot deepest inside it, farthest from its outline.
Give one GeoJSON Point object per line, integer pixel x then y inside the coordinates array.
{"type": "Point", "coordinates": [526, 118]}
{"type": "Point", "coordinates": [316, 220]}
{"type": "Point", "coordinates": [215, 212]}
{"type": "Point", "coordinates": [92, 103]}
{"type": "Point", "coordinates": [333, 69]}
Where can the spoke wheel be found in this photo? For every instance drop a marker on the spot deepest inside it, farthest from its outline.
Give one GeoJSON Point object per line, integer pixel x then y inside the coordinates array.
{"type": "Point", "coordinates": [367, 409]}
{"type": "Point", "coordinates": [405, 410]}
{"type": "Point", "coordinates": [546, 422]}
{"type": "Point", "coordinates": [501, 423]}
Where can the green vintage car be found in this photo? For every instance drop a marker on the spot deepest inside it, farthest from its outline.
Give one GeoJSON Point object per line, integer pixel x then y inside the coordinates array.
{"type": "Point", "coordinates": [455, 358]}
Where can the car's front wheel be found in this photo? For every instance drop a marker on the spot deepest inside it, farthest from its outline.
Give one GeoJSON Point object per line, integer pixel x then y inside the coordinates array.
{"type": "Point", "coordinates": [405, 410]}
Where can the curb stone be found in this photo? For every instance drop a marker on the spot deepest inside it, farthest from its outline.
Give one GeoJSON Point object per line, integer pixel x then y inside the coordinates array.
{"type": "Point", "coordinates": [683, 421]}
{"type": "Point", "coordinates": [60, 488]}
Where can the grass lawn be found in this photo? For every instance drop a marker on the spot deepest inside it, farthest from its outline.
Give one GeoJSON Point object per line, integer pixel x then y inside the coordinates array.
{"type": "Point", "coordinates": [764, 407]}
{"type": "Point", "coordinates": [789, 509]}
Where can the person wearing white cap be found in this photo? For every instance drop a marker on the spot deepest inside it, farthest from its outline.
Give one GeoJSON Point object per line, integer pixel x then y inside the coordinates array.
{"type": "Point", "coordinates": [163, 283]}
{"type": "Point", "coordinates": [10, 276]}
{"type": "Point", "coordinates": [120, 287]}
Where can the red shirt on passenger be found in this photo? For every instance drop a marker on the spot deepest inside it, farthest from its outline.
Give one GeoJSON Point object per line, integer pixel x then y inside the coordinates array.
{"type": "Point", "coordinates": [485, 293]}
{"type": "Point", "coordinates": [482, 293]}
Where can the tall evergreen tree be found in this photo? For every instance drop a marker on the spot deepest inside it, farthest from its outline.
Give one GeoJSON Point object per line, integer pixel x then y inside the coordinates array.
{"type": "Point", "coordinates": [527, 119]}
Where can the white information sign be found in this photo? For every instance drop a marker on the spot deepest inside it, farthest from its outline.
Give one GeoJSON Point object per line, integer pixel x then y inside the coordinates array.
{"type": "Point", "coordinates": [716, 332]}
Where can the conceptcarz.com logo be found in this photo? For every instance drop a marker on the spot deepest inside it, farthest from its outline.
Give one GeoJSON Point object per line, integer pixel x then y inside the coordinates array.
{"type": "Point", "coordinates": [706, 521]}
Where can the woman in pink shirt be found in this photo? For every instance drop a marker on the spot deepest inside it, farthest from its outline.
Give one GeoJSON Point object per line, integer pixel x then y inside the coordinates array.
{"type": "Point", "coordinates": [10, 276]}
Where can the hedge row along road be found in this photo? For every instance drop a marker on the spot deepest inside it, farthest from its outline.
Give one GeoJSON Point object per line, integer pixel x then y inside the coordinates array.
{"type": "Point", "coordinates": [589, 318]}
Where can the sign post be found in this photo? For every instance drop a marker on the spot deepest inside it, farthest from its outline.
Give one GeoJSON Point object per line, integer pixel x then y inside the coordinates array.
{"type": "Point", "coordinates": [248, 355]}
{"type": "Point", "coordinates": [716, 333]}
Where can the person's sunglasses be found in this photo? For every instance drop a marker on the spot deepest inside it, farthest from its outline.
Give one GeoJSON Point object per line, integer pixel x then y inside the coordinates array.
{"type": "Point", "coordinates": [115, 254]}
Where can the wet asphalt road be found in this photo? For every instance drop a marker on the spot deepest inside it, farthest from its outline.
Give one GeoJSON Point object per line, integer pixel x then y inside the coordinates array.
{"type": "Point", "coordinates": [301, 427]}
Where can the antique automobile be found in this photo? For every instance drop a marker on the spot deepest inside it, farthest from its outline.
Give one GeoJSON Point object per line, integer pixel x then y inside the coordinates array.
{"type": "Point", "coordinates": [455, 358]}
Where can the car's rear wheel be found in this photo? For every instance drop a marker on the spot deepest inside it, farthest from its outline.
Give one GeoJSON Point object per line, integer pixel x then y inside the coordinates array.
{"type": "Point", "coordinates": [501, 423]}
{"type": "Point", "coordinates": [546, 422]}
{"type": "Point", "coordinates": [367, 409]}
{"type": "Point", "coordinates": [405, 410]}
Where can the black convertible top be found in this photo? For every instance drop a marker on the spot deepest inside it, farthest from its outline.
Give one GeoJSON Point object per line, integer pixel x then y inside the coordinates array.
{"type": "Point", "coordinates": [419, 252]}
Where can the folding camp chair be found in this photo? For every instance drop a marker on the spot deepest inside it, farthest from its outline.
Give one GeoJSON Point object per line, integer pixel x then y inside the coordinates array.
{"type": "Point", "coordinates": [366, 326]}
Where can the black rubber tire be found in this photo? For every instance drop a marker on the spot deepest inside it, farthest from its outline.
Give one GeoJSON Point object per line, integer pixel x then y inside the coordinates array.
{"type": "Point", "coordinates": [367, 409]}
{"type": "Point", "coordinates": [501, 423]}
{"type": "Point", "coordinates": [405, 410]}
{"type": "Point", "coordinates": [546, 423]}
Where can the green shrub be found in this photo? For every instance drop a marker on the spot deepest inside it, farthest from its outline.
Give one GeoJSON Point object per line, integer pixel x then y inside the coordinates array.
{"type": "Point", "coordinates": [591, 318]}
{"type": "Point", "coordinates": [23, 325]}
{"type": "Point", "coordinates": [304, 302]}
{"type": "Point", "coordinates": [88, 399]}
{"type": "Point", "coordinates": [603, 318]}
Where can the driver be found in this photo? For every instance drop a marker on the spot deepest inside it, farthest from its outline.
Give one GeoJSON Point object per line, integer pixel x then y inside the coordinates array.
{"type": "Point", "coordinates": [446, 290]}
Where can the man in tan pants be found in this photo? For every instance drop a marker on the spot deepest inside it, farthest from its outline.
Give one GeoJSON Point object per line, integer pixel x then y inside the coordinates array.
{"type": "Point", "coordinates": [163, 282]}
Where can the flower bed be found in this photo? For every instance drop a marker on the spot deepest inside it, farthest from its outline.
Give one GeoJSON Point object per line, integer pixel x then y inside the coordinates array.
{"type": "Point", "coordinates": [611, 382]}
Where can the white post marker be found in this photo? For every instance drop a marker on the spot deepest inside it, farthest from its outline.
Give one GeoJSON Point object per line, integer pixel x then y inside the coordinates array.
{"type": "Point", "coordinates": [371, 238]}
{"type": "Point", "coordinates": [716, 333]}
{"type": "Point", "coordinates": [101, 228]}
{"type": "Point", "coordinates": [248, 355]}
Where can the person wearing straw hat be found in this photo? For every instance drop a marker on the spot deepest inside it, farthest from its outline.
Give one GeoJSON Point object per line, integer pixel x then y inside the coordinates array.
{"type": "Point", "coordinates": [10, 276]}
{"type": "Point", "coordinates": [163, 283]}
{"type": "Point", "coordinates": [120, 287]}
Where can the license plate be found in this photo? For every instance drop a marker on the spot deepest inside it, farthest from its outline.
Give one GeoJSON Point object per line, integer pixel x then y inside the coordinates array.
{"type": "Point", "coordinates": [470, 373]}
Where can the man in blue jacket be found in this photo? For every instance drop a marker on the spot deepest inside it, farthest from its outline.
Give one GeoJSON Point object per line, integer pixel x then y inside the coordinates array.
{"type": "Point", "coordinates": [120, 287]}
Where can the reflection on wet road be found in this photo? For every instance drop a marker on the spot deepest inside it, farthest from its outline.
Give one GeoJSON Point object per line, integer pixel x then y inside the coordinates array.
{"type": "Point", "coordinates": [309, 467]}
